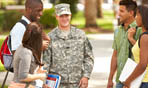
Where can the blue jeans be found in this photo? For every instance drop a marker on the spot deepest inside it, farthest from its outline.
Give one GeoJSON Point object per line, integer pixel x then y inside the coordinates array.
{"type": "Point", "coordinates": [119, 85]}
{"type": "Point", "coordinates": [144, 85]}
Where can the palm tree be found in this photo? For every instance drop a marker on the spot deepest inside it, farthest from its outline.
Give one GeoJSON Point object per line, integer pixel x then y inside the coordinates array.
{"type": "Point", "coordinates": [90, 13]}
{"type": "Point", "coordinates": [99, 9]}
{"type": "Point", "coordinates": [145, 2]}
{"type": "Point", "coordinates": [19, 2]}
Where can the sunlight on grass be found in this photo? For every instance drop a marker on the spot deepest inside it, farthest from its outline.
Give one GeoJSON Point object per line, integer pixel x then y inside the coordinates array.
{"type": "Point", "coordinates": [105, 22]}
{"type": "Point", "coordinates": [79, 20]}
{"type": "Point", "coordinates": [1, 41]}
{"type": "Point", "coordinates": [5, 86]}
{"type": "Point", "coordinates": [1, 65]}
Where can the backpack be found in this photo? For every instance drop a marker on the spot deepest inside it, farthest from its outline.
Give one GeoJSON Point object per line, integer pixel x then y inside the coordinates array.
{"type": "Point", "coordinates": [6, 55]}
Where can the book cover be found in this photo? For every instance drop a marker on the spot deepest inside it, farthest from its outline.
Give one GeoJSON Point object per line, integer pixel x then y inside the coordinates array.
{"type": "Point", "coordinates": [127, 71]}
{"type": "Point", "coordinates": [53, 81]}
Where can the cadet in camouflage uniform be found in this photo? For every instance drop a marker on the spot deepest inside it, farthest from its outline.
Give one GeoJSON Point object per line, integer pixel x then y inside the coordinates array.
{"type": "Point", "coordinates": [69, 53]}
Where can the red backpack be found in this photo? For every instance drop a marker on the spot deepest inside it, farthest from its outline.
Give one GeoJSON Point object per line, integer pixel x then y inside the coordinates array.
{"type": "Point", "coordinates": [6, 55]}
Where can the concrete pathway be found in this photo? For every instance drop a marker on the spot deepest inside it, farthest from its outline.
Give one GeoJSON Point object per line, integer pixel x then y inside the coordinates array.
{"type": "Point", "coordinates": [102, 44]}
{"type": "Point", "coordinates": [102, 48]}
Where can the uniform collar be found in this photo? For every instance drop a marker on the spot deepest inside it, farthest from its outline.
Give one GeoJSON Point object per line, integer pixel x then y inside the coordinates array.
{"type": "Point", "coordinates": [130, 25]}
{"type": "Point", "coordinates": [70, 35]}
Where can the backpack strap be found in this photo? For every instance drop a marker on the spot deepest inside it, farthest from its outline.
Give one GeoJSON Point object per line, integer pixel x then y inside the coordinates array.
{"type": "Point", "coordinates": [23, 22]}
{"type": "Point", "coordinates": [140, 37]}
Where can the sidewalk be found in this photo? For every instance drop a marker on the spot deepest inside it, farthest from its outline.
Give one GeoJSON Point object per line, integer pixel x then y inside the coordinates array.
{"type": "Point", "coordinates": [102, 48]}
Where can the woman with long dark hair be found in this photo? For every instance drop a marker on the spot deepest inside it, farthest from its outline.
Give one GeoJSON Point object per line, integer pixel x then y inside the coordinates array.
{"type": "Point", "coordinates": [28, 57]}
{"type": "Point", "coordinates": [140, 49]}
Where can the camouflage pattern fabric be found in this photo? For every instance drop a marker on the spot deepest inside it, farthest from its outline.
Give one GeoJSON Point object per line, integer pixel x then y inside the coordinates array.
{"type": "Point", "coordinates": [70, 56]}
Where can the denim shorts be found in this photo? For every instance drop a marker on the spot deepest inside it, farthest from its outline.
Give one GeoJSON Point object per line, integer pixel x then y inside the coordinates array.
{"type": "Point", "coordinates": [119, 85]}
{"type": "Point", "coordinates": [144, 85]}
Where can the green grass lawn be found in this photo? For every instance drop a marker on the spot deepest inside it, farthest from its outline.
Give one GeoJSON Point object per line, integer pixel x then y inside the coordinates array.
{"type": "Point", "coordinates": [1, 65]}
{"type": "Point", "coordinates": [4, 87]}
{"type": "Point", "coordinates": [105, 22]}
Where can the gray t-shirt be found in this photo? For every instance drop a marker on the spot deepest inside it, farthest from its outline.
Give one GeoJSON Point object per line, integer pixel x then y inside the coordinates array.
{"type": "Point", "coordinates": [23, 64]}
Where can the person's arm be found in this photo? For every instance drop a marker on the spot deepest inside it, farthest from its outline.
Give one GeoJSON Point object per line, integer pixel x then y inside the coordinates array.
{"type": "Point", "coordinates": [88, 58]}
{"type": "Point", "coordinates": [113, 66]}
{"type": "Point", "coordinates": [88, 64]}
{"type": "Point", "coordinates": [112, 69]}
{"type": "Point", "coordinates": [46, 41]}
{"type": "Point", "coordinates": [131, 33]}
{"type": "Point", "coordinates": [32, 77]}
{"type": "Point", "coordinates": [140, 68]}
{"type": "Point", "coordinates": [24, 67]}
{"type": "Point", "coordinates": [47, 56]}
{"type": "Point", "coordinates": [45, 44]}
{"type": "Point", "coordinates": [13, 52]}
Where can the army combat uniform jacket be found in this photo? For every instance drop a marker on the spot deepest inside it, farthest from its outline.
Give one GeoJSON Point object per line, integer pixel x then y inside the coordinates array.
{"type": "Point", "coordinates": [71, 57]}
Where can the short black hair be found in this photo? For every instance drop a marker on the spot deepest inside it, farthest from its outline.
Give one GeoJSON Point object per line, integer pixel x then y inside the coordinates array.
{"type": "Point", "coordinates": [143, 10]}
{"type": "Point", "coordinates": [32, 3]}
{"type": "Point", "coordinates": [130, 5]}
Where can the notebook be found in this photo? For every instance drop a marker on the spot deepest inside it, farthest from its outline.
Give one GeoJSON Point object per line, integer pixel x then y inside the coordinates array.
{"type": "Point", "coordinates": [127, 70]}
{"type": "Point", "coordinates": [53, 81]}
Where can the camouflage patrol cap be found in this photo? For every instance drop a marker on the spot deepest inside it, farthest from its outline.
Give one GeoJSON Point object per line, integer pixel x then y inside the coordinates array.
{"type": "Point", "coordinates": [61, 9]}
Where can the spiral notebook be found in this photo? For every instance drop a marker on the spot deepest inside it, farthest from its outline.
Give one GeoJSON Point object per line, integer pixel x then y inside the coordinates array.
{"type": "Point", "coordinates": [127, 70]}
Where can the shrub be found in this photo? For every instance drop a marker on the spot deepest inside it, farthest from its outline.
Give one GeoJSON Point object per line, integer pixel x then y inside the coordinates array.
{"type": "Point", "coordinates": [10, 19]}
{"type": "Point", "coordinates": [48, 18]}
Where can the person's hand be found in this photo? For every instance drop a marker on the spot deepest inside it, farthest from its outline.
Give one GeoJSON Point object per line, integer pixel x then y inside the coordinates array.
{"type": "Point", "coordinates": [39, 70]}
{"type": "Point", "coordinates": [126, 84]}
{"type": "Point", "coordinates": [83, 82]}
{"type": "Point", "coordinates": [125, 87]}
{"type": "Point", "coordinates": [45, 44]}
{"type": "Point", "coordinates": [45, 86]}
{"type": "Point", "coordinates": [131, 33]}
{"type": "Point", "coordinates": [110, 84]}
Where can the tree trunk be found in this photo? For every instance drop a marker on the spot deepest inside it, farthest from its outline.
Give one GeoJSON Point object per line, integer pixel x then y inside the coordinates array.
{"type": "Point", "coordinates": [90, 13]}
{"type": "Point", "coordinates": [145, 2]}
{"type": "Point", "coordinates": [99, 9]}
{"type": "Point", "coordinates": [20, 2]}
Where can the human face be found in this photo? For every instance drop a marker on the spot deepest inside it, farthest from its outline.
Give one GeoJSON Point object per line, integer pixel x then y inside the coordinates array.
{"type": "Point", "coordinates": [36, 12]}
{"type": "Point", "coordinates": [138, 19]}
{"type": "Point", "coordinates": [123, 14]}
{"type": "Point", "coordinates": [64, 20]}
